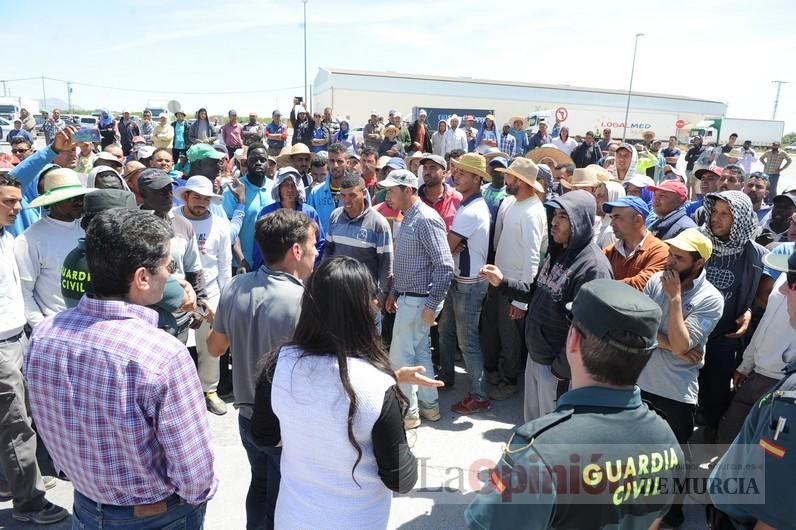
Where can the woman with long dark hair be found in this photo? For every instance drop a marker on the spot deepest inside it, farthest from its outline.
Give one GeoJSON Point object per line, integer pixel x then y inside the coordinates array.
{"type": "Point", "coordinates": [330, 398]}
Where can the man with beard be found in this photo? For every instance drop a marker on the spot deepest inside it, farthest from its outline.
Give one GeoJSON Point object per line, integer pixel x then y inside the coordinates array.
{"type": "Point", "coordinates": [419, 135]}
{"type": "Point", "coordinates": [691, 307]}
{"type": "Point", "coordinates": [572, 260]}
{"type": "Point", "coordinates": [258, 196]}
{"type": "Point", "coordinates": [775, 228]}
{"type": "Point", "coordinates": [520, 231]}
{"type": "Point", "coordinates": [435, 192]}
{"type": "Point", "coordinates": [299, 158]}
{"type": "Point", "coordinates": [156, 187]}
{"type": "Point", "coordinates": [373, 132]}
{"type": "Point", "coordinates": [455, 138]}
{"type": "Point", "coordinates": [215, 254]}
{"type": "Point", "coordinates": [735, 268]}
{"type": "Point", "coordinates": [756, 188]}
{"type": "Point", "coordinates": [326, 197]}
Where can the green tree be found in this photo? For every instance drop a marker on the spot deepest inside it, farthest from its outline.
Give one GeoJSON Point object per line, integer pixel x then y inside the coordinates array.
{"type": "Point", "coordinates": [789, 138]}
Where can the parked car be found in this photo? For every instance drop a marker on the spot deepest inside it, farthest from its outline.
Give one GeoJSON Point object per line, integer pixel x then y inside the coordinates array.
{"type": "Point", "coordinates": [6, 126]}
{"type": "Point", "coordinates": [791, 147]}
{"type": "Point", "coordinates": [89, 122]}
{"type": "Point", "coordinates": [39, 125]}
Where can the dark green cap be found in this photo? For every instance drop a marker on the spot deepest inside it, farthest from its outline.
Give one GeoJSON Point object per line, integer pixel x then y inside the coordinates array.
{"type": "Point", "coordinates": [605, 307]}
{"type": "Point", "coordinates": [107, 198]}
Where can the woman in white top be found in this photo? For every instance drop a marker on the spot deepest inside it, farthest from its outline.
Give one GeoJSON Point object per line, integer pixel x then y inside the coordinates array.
{"type": "Point", "coordinates": [564, 142]}
{"type": "Point", "coordinates": [438, 138]}
{"type": "Point", "coordinates": [332, 401]}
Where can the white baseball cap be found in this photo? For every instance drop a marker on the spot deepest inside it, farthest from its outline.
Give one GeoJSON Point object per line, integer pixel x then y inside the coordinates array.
{"type": "Point", "coordinates": [198, 184]}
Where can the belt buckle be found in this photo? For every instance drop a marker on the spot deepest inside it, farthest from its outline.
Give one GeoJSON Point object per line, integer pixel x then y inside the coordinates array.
{"type": "Point", "coordinates": [149, 510]}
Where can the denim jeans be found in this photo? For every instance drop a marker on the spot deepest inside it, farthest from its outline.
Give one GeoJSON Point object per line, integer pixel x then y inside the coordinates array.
{"type": "Point", "coordinates": [459, 321]}
{"type": "Point", "coordinates": [90, 515]}
{"type": "Point", "coordinates": [264, 486]}
{"type": "Point", "coordinates": [410, 347]}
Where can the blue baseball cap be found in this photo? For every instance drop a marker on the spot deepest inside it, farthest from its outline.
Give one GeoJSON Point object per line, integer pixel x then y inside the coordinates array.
{"type": "Point", "coordinates": [628, 202]}
{"type": "Point", "coordinates": [499, 161]}
{"type": "Point", "coordinates": [396, 163]}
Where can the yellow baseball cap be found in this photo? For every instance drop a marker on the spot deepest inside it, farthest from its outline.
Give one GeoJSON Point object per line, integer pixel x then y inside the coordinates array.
{"type": "Point", "coordinates": [692, 240]}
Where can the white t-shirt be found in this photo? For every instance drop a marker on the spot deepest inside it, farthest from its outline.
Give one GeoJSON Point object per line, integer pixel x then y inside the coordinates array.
{"type": "Point", "coordinates": [567, 147]}
{"type": "Point", "coordinates": [40, 252]}
{"type": "Point", "coordinates": [520, 233]}
{"type": "Point", "coordinates": [215, 250]}
{"type": "Point", "coordinates": [471, 223]}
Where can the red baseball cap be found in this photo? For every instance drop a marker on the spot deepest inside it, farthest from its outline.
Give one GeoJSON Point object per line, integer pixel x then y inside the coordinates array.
{"type": "Point", "coordinates": [716, 170]}
{"type": "Point", "coordinates": [674, 186]}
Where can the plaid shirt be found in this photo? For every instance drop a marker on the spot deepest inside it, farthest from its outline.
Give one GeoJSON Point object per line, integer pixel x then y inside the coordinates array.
{"type": "Point", "coordinates": [507, 143]}
{"type": "Point", "coordinates": [772, 162]}
{"type": "Point", "coordinates": [119, 405]}
{"type": "Point", "coordinates": [423, 261]}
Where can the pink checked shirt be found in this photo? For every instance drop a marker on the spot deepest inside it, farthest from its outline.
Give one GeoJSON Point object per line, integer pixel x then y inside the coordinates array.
{"type": "Point", "coordinates": [119, 405]}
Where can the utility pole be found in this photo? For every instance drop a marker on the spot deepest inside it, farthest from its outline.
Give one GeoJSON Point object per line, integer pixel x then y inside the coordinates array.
{"type": "Point", "coordinates": [43, 93]}
{"type": "Point", "coordinates": [630, 88]}
{"type": "Point", "coordinates": [306, 100]}
{"type": "Point", "coordinates": [776, 98]}
{"type": "Point", "coordinates": [69, 95]}
{"type": "Point", "coordinates": [4, 88]}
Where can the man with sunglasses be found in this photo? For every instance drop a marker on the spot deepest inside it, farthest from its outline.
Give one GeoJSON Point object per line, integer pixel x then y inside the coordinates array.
{"type": "Point", "coordinates": [21, 147]}
{"type": "Point", "coordinates": [766, 440]}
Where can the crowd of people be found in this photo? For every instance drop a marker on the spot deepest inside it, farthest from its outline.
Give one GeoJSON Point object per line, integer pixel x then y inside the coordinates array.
{"type": "Point", "coordinates": [331, 285]}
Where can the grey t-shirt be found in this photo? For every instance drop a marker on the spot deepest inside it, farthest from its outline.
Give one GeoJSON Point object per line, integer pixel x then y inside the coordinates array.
{"type": "Point", "coordinates": [258, 312]}
{"type": "Point", "coordinates": [665, 374]}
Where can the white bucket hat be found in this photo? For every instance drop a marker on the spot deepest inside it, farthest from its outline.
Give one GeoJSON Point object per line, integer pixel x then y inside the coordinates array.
{"type": "Point", "coordinates": [198, 184]}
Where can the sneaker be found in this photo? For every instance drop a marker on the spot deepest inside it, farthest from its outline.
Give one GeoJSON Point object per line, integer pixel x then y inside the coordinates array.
{"type": "Point", "coordinates": [411, 422]}
{"type": "Point", "coordinates": [469, 405]}
{"type": "Point", "coordinates": [493, 378]}
{"type": "Point", "coordinates": [48, 515]}
{"type": "Point", "coordinates": [502, 391]}
{"type": "Point", "coordinates": [49, 482]}
{"type": "Point", "coordinates": [215, 404]}
{"type": "Point", "coordinates": [431, 414]}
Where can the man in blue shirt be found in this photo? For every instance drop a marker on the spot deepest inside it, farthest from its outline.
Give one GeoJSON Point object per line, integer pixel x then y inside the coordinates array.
{"type": "Point", "coordinates": [180, 135]}
{"type": "Point", "coordinates": [19, 131]}
{"type": "Point", "coordinates": [258, 196]}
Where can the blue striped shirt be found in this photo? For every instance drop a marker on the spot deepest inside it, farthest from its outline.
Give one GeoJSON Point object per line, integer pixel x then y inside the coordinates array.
{"type": "Point", "coordinates": [423, 261]}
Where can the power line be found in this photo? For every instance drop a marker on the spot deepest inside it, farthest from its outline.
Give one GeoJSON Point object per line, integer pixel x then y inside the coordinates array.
{"type": "Point", "coordinates": [149, 91]}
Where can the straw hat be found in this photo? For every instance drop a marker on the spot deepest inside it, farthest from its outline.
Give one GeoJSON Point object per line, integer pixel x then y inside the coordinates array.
{"type": "Point", "coordinates": [473, 163]}
{"type": "Point", "coordinates": [586, 177]}
{"type": "Point", "coordinates": [515, 118]}
{"type": "Point", "coordinates": [735, 152]}
{"type": "Point", "coordinates": [526, 170]}
{"type": "Point", "coordinates": [603, 175]}
{"type": "Point", "coordinates": [285, 155]}
{"type": "Point", "coordinates": [558, 156]}
{"type": "Point", "coordinates": [59, 185]}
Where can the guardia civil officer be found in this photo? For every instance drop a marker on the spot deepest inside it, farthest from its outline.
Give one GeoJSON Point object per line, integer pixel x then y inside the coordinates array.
{"type": "Point", "coordinates": [757, 469]}
{"type": "Point", "coordinates": [602, 459]}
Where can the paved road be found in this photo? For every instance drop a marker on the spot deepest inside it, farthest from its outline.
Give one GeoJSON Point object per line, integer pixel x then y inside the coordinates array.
{"type": "Point", "coordinates": [453, 454]}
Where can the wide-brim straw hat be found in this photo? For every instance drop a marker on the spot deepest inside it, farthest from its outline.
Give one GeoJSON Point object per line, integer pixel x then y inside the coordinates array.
{"type": "Point", "coordinates": [296, 149]}
{"type": "Point", "coordinates": [59, 185]}
{"type": "Point", "coordinates": [558, 156]}
{"type": "Point", "coordinates": [526, 170]}
{"type": "Point", "coordinates": [585, 177]}
{"type": "Point", "coordinates": [515, 118]}
{"type": "Point", "coordinates": [473, 163]}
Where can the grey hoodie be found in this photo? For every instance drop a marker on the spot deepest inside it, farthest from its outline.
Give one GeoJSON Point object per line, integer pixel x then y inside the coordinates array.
{"type": "Point", "coordinates": [560, 277]}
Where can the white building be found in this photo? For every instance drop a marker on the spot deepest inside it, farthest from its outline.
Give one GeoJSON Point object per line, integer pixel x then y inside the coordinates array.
{"type": "Point", "coordinates": [353, 94]}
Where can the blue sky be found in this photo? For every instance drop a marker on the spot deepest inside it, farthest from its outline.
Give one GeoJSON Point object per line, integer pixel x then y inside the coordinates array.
{"type": "Point", "coordinates": [160, 50]}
